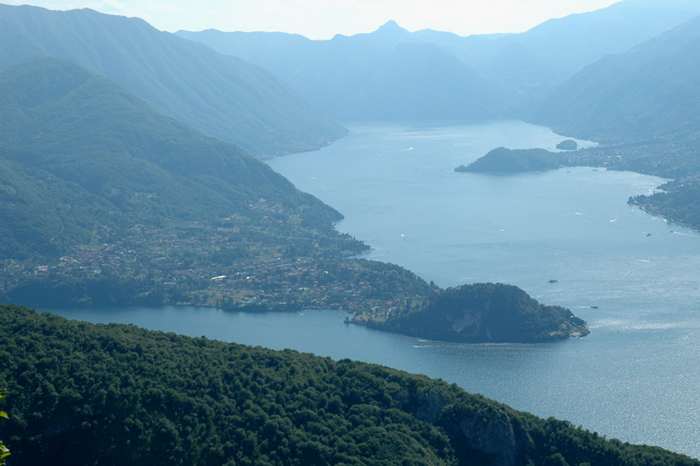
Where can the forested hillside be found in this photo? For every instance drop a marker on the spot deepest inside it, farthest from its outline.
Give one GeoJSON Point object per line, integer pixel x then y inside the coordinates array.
{"type": "Point", "coordinates": [644, 105]}
{"type": "Point", "coordinates": [649, 92]}
{"type": "Point", "coordinates": [106, 202]}
{"type": "Point", "coordinates": [220, 96]}
{"type": "Point", "coordinates": [112, 394]}
{"type": "Point", "coordinates": [86, 159]}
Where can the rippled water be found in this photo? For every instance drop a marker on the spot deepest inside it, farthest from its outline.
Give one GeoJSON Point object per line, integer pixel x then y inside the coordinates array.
{"type": "Point", "coordinates": [633, 277]}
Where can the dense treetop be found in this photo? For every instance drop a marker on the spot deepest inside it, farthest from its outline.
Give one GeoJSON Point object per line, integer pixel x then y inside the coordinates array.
{"type": "Point", "coordinates": [114, 394]}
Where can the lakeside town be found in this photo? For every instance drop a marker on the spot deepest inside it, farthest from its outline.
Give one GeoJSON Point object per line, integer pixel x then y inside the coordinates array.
{"type": "Point", "coordinates": [236, 265]}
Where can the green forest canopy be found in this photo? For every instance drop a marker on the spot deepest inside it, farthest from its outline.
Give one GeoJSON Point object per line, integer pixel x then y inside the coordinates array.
{"type": "Point", "coordinates": [118, 394]}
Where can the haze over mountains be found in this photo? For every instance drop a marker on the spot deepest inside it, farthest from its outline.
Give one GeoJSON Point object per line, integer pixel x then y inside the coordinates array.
{"type": "Point", "coordinates": [105, 201]}
{"type": "Point", "coordinates": [650, 90]}
{"type": "Point", "coordinates": [221, 96]}
{"type": "Point", "coordinates": [83, 158]}
{"type": "Point", "coordinates": [80, 153]}
{"type": "Point", "coordinates": [388, 74]}
{"type": "Point", "coordinates": [120, 183]}
{"type": "Point", "coordinates": [394, 74]}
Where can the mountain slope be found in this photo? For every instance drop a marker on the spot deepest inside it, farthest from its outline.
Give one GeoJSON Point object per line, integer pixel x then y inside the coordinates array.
{"type": "Point", "coordinates": [76, 140]}
{"type": "Point", "coordinates": [384, 75]}
{"type": "Point", "coordinates": [559, 48]}
{"type": "Point", "coordinates": [106, 202]}
{"type": "Point", "coordinates": [395, 74]}
{"type": "Point", "coordinates": [115, 394]}
{"type": "Point", "coordinates": [649, 91]}
{"type": "Point", "coordinates": [409, 82]}
{"type": "Point", "coordinates": [221, 96]}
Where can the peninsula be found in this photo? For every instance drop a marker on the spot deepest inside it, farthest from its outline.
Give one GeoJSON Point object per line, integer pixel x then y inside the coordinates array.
{"type": "Point", "coordinates": [106, 202]}
{"type": "Point", "coordinates": [503, 160]}
{"type": "Point", "coordinates": [483, 313]}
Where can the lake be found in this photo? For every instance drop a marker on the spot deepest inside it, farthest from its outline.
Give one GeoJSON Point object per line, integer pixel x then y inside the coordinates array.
{"type": "Point", "coordinates": [567, 237]}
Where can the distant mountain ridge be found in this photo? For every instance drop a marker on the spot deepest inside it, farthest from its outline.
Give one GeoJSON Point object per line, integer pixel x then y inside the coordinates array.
{"type": "Point", "coordinates": [644, 106]}
{"type": "Point", "coordinates": [651, 91]}
{"type": "Point", "coordinates": [395, 74]}
{"type": "Point", "coordinates": [221, 96]}
{"type": "Point", "coordinates": [383, 75]}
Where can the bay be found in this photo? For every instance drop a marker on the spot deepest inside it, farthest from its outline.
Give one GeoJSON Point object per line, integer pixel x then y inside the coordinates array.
{"type": "Point", "coordinates": [633, 277]}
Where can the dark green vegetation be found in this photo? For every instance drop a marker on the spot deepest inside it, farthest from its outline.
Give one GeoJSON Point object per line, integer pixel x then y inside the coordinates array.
{"type": "Point", "coordinates": [106, 202]}
{"type": "Point", "coordinates": [115, 394]}
{"type": "Point", "coordinates": [221, 96]}
{"type": "Point", "coordinates": [485, 313]}
{"type": "Point", "coordinates": [568, 144]}
{"type": "Point", "coordinates": [502, 160]}
{"type": "Point", "coordinates": [395, 74]}
{"type": "Point", "coordinates": [83, 157]}
{"type": "Point", "coordinates": [4, 451]}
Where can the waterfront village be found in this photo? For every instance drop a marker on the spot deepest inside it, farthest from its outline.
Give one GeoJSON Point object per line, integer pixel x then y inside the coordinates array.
{"type": "Point", "coordinates": [234, 265]}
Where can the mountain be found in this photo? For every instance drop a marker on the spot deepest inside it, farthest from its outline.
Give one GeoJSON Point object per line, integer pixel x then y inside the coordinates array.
{"type": "Point", "coordinates": [395, 74]}
{"type": "Point", "coordinates": [103, 200]}
{"type": "Point", "coordinates": [410, 82]}
{"type": "Point", "coordinates": [387, 74]}
{"type": "Point", "coordinates": [649, 91]}
{"type": "Point", "coordinates": [549, 54]}
{"type": "Point", "coordinates": [106, 202]}
{"type": "Point", "coordinates": [223, 97]}
{"type": "Point", "coordinates": [643, 104]}
{"type": "Point", "coordinates": [383, 75]}
{"type": "Point", "coordinates": [80, 151]}
{"type": "Point", "coordinates": [81, 393]}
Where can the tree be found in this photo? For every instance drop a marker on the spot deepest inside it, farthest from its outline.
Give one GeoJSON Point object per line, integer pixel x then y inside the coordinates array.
{"type": "Point", "coordinates": [4, 451]}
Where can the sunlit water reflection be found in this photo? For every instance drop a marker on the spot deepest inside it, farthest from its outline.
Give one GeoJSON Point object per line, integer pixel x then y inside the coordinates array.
{"type": "Point", "coordinates": [633, 277]}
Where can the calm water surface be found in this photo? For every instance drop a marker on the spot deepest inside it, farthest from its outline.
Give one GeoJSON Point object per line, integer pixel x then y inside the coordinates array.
{"type": "Point", "coordinates": [633, 277]}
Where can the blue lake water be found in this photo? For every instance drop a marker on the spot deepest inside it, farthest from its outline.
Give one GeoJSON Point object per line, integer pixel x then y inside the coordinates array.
{"type": "Point", "coordinates": [633, 277]}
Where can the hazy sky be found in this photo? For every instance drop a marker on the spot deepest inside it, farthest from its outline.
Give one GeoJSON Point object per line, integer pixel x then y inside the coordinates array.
{"type": "Point", "coordinates": [322, 19]}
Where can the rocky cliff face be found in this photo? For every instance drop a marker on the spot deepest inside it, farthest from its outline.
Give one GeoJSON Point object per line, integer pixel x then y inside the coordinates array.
{"type": "Point", "coordinates": [482, 433]}
{"type": "Point", "coordinates": [495, 439]}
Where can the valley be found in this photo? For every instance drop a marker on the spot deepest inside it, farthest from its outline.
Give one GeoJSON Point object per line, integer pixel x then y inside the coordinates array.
{"type": "Point", "coordinates": [141, 169]}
